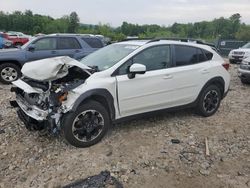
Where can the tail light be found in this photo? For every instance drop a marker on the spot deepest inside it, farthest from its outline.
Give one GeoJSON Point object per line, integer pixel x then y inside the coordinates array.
{"type": "Point", "coordinates": [226, 65]}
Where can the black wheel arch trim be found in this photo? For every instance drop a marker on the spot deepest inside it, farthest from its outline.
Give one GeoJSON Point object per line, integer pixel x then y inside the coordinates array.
{"type": "Point", "coordinates": [216, 80]}
{"type": "Point", "coordinates": [15, 62]}
{"type": "Point", "coordinates": [92, 94]}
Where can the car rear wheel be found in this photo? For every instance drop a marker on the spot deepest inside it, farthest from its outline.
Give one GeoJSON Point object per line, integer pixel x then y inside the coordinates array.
{"type": "Point", "coordinates": [87, 125]}
{"type": "Point", "coordinates": [9, 72]}
{"type": "Point", "coordinates": [209, 101]}
{"type": "Point", "coordinates": [244, 81]}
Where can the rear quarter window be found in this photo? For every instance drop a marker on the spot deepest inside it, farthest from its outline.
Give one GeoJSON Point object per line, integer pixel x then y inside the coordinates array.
{"type": "Point", "coordinates": [64, 43]}
{"type": "Point", "coordinates": [93, 42]}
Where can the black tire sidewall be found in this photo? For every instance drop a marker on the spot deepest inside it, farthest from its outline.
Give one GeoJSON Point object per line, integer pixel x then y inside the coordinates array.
{"type": "Point", "coordinates": [69, 118]}
{"type": "Point", "coordinates": [244, 81]}
{"type": "Point", "coordinates": [4, 65]}
{"type": "Point", "coordinates": [200, 107]}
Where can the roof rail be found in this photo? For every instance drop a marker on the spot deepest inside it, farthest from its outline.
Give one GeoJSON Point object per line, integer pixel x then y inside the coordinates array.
{"type": "Point", "coordinates": [178, 39]}
{"type": "Point", "coordinates": [71, 34]}
{"type": "Point", "coordinates": [129, 39]}
{"type": "Point", "coordinates": [197, 41]}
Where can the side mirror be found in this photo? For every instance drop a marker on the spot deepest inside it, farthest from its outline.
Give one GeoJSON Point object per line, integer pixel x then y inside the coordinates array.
{"type": "Point", "coordinates": [136, 69]}
{"type": "Point", "coordinates": [31, 48]}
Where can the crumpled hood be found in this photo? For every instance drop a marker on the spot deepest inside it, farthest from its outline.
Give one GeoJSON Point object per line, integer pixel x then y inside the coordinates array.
{"type": "Point", "coordinates": [51, 68]}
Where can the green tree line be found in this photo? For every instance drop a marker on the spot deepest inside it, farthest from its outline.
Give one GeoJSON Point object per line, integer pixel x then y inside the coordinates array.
{"type": "Point", "coordinates": [30, 23]}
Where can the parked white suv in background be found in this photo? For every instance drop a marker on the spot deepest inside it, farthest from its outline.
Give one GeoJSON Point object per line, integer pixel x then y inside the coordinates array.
{"type": "Point", "coordinates": [82, 99]}
{"type": "Point", "coordinates": [244, 71]}
{"type": "Point", "coordinates": [237, 55]}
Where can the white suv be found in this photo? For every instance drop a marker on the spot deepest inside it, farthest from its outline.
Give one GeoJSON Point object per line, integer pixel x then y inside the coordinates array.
{"type": "Point", "coordinates": [82, 99]}
{"type": "Point", "coordinates": [237, 55]}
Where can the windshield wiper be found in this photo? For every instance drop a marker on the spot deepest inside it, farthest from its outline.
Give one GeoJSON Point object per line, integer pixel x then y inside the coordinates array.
{"type": "Point", "coordinates": [94, 68]}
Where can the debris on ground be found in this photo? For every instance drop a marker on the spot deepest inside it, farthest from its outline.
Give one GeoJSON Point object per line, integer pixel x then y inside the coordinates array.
{"type": "Point", "coordinates": [175, 141]}
{"type": "Point", "coordinates": [207, 149]}
{"type": "Point", "coordinates": [102, 180]}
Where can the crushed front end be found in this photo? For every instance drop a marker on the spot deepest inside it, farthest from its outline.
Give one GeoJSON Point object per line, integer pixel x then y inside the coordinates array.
{"type": "Point", "coordinates": [39, 99]}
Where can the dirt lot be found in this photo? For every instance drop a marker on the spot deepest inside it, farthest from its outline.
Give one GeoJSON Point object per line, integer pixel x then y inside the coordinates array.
{"type": "Point", "coordinates": [140, 152]}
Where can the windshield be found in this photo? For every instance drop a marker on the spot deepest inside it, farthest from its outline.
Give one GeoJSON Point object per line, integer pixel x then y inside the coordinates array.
{"type": "Point", "coordinates": [28, 43]}
{"type": "Point", "coordinates": [108, 56]}
{"type": "Point", "coordinates": [246, 45]}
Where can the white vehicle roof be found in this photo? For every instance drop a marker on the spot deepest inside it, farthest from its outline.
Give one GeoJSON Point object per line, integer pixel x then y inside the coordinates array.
{"type": "Point", "coordinates": [149, 42]}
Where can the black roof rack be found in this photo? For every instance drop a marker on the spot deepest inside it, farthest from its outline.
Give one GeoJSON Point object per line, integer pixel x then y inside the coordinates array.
{"type": "Point", "coordinates": [197, 41]}
{"type": "Point", "coordinates": [178, 39]}
{"type": "Point", "coordinates": [129, 39]}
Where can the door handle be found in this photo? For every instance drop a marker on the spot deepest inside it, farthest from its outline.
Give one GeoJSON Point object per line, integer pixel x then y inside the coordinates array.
{"type": "Point", "coordinates": [168, 76]}
{"type": "Point", "coordinates": [77, 51]}
{"type": "Point", "coordinates": [53, 52]}
{"type": "Point", "coordinates": [204, 71]}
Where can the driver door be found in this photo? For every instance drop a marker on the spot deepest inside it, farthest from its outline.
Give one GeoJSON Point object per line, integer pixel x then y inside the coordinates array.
{"type": "Point", "coordinates": [150, 91]}
{"type": "Point", "coordinates": [43, 48]}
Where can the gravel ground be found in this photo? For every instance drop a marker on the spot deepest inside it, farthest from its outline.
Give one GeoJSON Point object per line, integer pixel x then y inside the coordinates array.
{"type": "Point", "coordinates": [138, 153]}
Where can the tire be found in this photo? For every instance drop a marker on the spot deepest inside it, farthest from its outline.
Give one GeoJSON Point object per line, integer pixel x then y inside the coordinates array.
{"type": "Point", "coordinates": [78, 125]}
{"type": "Point", "coordinates": [9, 72]}
{"type": "Point", "coordinates": [244, 81]}
{"type": "Point", "coordinates": [209, 101]}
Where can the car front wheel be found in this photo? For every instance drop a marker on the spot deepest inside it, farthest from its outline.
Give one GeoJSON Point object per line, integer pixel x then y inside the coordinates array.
{"type": "Point", "coordinates": [87, 125]}
{"type": "Point", "coordinates": [209, 101]}
{"type": "Point", "coordinates": [9, 72]}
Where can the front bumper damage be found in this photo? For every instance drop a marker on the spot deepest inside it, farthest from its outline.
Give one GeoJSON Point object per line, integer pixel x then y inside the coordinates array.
{"type": "Point", "coordinates": [31, 110]}
{"type": "Point", "coordinates": [35, 119]}
{"type": "Point", "coordinates": [45, 92]}
{"type": "Point", "coordinates": [29, 122]}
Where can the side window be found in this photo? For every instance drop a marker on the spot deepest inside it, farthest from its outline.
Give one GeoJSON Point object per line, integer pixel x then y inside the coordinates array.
{"type": "Point", "coordinates": [68, 43]}
{"type": "Point", "coordinates": [153, 58]}
{"type": "Point", "coordinates": [93, 42]}
{"type": "Point", "coordinates": [201, 56]}
{"type": "Point", "coordinates": [208, 54]}
{"type": "Point", "coordinates": [185, 55]}
{"type": "Point", "coordinates": [45, 44]}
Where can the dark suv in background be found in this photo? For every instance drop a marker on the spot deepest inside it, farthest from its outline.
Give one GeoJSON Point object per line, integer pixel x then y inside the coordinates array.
{"type": "Point", "coordinates": [75, 46]}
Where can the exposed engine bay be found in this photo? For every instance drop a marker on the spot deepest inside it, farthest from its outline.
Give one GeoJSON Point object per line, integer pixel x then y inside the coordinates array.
{"type": "Point", "coordinates": [39, 102]}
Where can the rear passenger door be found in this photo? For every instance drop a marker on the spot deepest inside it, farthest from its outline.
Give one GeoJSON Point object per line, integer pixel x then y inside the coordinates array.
{"type": "Point", "coordinates": [190, 73]}
{"type": "Point", "coordinates": [69, 46]}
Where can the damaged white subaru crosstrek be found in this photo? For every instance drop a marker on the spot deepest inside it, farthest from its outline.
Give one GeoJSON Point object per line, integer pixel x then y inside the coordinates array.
{"type": "Point", "coordinates": [82, 99]}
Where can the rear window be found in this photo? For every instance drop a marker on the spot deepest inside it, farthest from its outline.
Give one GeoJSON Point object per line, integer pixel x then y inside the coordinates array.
{"type": "Point", "coordinates": [68, 43]}
{"type": "Point", "coordinates": [93, 42]}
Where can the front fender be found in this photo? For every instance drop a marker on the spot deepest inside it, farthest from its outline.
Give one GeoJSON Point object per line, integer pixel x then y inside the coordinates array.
{"type": "Point", "coordinates": [92, 94]}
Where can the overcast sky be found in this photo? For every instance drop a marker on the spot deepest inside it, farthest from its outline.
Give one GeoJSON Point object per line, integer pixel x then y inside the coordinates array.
{"type": "Point", "coordinates": [114, 12]}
